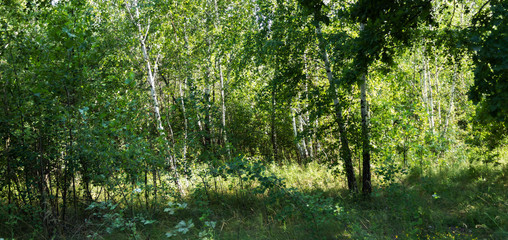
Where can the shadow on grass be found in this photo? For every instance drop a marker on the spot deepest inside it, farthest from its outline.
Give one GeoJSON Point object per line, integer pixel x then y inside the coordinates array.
{"type": "Point", "coordinates": [462, 204]}
{"type": "Point", "coordinates": [454, 204]}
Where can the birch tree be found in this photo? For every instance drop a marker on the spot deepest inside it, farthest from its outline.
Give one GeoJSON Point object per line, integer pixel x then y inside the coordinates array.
{"type": "Point", "coordinates": [142, 34]}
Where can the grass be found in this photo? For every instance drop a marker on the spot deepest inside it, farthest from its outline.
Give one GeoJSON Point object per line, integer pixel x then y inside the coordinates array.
{"type": "Point", "coordinates": [460, 203]}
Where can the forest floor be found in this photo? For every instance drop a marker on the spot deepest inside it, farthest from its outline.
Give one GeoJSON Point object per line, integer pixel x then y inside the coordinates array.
{"type": "Point", "coordinates": [452, 204]}
{"type": "Point", "coordinates": [310, 202]}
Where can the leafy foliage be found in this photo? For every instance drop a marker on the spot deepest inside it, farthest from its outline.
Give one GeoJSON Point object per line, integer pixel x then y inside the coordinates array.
{"type": "Point", "coordinates": [488, 40]}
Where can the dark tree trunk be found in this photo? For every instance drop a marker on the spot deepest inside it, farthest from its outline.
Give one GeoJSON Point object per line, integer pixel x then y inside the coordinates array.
{"type": "Point", "coordinates": [272, 126]}
{"type": "Point", "coordinates": [345, 151]}
{"type": "Point", "coordinates": [366, 175]}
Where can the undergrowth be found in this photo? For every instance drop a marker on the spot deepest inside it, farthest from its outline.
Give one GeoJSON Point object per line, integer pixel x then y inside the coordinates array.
{"type": "Point", "coordinates": [247, 199]}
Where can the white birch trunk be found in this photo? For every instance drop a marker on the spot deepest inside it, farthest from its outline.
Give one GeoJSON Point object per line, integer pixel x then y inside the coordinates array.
{"type": "Point", "coordinates": [431, 99]}
{"type": "Point", "coordinates": [223, 114]}
{"type": "Point", "coordinates": [436, 80]}
{"type": "Point", "coordinates": [142, 35]}
{"type": "Point", "coordinates": [366, 174]}
{"type": "Point", "coordinates": [304, 144]}
{"type": "Point", "coordinates": [345, 151]}
{"type": "Point", "coordinates": [427, 93]}
{"type": "Point", "coordinates": [185, 124]}
{"type": "Point", "coordinates": [223, 101]}
{"type": "Point", "coordinates": [295, 132]}
{"type": "Point", "coordinates": [450, 108]}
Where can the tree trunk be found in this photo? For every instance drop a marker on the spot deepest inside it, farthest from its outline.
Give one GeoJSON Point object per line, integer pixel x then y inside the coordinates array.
{"type": "Point", "coordinates": [272, 127]}
{"type": "Point", "coordinates": [428, 93]}
{"type": "Point", "coordinates": [345, 151]}
{"type": "Point", "coordinates": [9, 172]}
{"type": "Point", "coordinates": [154, 179]}
{"type": "Point", "coordinates": [309, 150]}
{"type": "Point", "coordinates": [207, 120]}
{"type": "Point", "coordinates": [366, 174]}
{"type": "Point", "coordinates": [295, 133]}
{"type": "Point", "coordinates": [304, 144]}
{"type": "Point", "coordinates": [222, 94]}
{"type": "Point", "coordinates": [153, 91]}
{"type": "Point", "coordinates": [223, 116]}
{"type": "Point", "coordinates": [185, 124]}
{"type": "Point", "coordinates": [450, 108]}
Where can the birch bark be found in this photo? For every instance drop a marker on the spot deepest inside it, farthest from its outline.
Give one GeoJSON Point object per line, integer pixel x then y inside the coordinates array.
{"type": "Point", "coordinates": [295, 132]}
{"type": "Point", "coordinates": [345, 150]}
{"type": "Point", "coordinates": [222, 94]}
{"type": "Point", "coordinates": [366, 174]}
{"type": "Point", "coordinates": [142, 35]}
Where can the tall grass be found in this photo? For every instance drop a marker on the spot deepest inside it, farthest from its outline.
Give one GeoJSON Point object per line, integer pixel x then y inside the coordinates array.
{"type": "Point", "coordinates": [311, 202]}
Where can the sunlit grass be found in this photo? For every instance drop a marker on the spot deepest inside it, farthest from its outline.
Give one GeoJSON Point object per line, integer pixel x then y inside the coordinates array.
{"type": "Point", "coordinates": [457, 203]}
